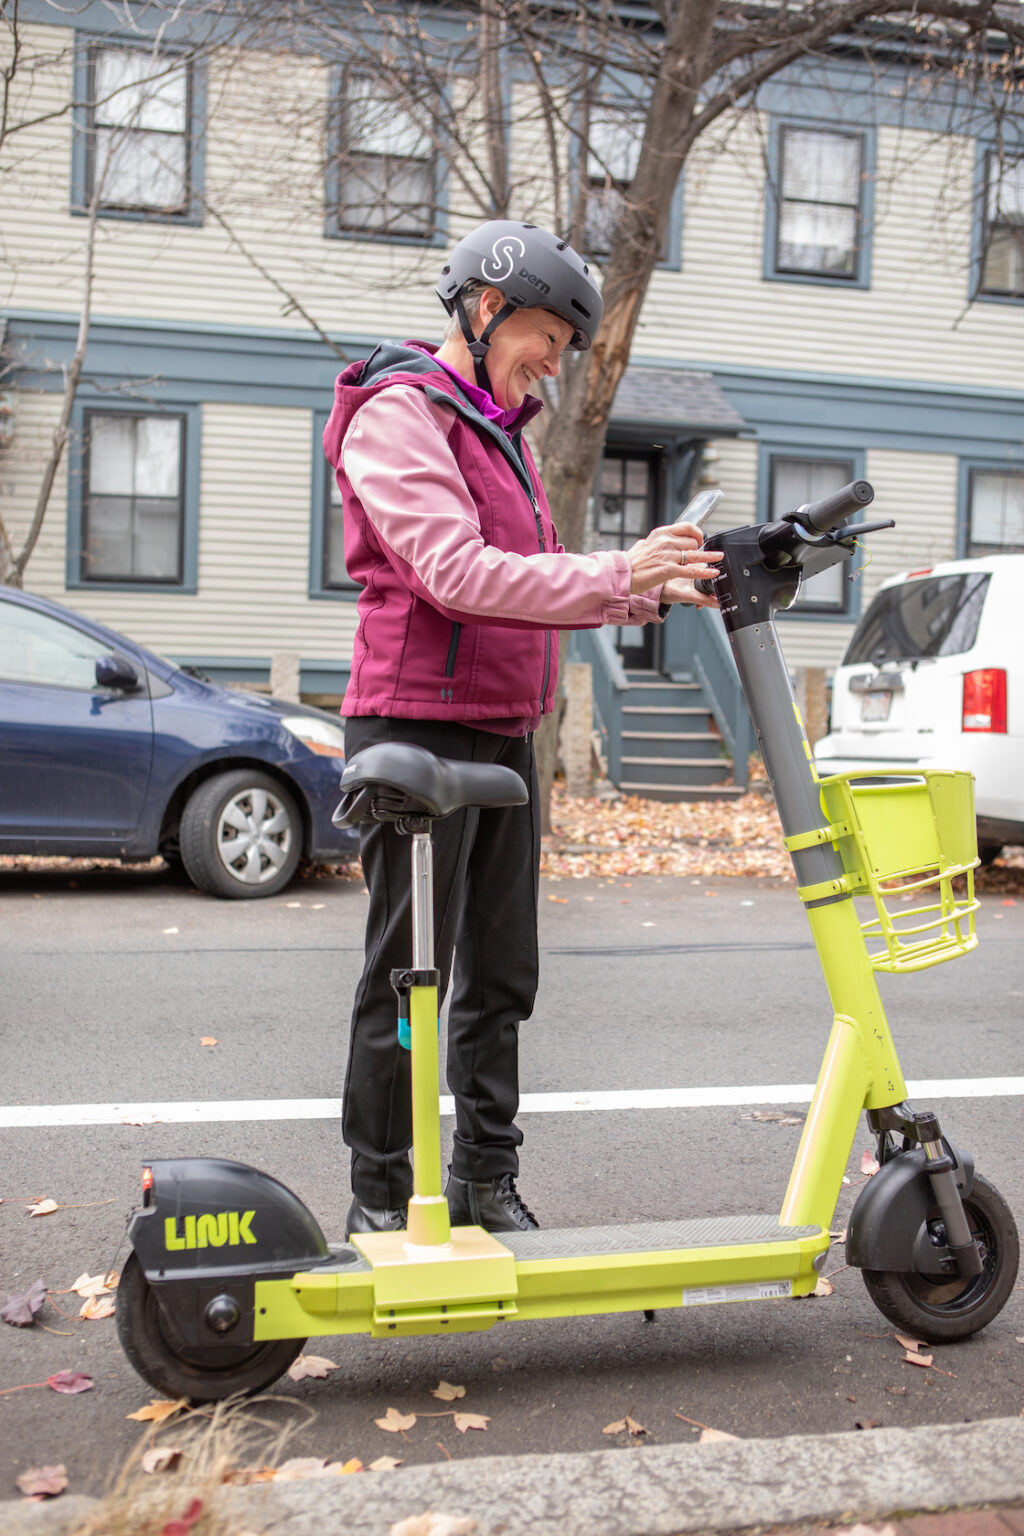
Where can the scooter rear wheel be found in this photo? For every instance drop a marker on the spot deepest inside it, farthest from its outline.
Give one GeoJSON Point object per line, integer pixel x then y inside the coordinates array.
{"type": "Point", "coordinates": [204, 1375]}
{"type": "Point", "coordinates": [941, 1308]}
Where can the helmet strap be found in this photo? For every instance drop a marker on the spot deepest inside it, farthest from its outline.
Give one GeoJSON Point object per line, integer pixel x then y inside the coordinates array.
{"type": "Point", "coordinates": [479, 346]}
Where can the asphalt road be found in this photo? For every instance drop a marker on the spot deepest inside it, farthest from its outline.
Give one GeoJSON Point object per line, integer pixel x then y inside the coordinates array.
{"type": "Point", "coordinates": [109, 982]}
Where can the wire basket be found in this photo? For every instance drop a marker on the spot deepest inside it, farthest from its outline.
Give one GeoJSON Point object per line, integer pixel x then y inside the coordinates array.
{"type": "Point", "coordinates": [906, 838]}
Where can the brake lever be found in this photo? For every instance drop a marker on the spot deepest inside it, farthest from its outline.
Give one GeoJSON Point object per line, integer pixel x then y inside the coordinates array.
{"type": "Point", "coordinates": [836, 535]}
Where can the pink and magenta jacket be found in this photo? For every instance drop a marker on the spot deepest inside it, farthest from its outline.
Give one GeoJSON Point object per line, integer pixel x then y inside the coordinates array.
{"type": "Point", "coordinates": [448, 532]}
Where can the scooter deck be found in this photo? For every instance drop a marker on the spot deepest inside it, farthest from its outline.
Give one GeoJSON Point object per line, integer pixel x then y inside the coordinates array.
{"type": "Point", "coordinates": [390, 1289]}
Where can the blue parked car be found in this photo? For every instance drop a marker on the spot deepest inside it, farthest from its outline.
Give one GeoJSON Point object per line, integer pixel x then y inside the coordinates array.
{"type": "Point", "coordinates": [107, 750]}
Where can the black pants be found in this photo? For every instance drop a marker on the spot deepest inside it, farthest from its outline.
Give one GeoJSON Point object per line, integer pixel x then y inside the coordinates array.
{"type": "Point", "coordinates": [485, 914]}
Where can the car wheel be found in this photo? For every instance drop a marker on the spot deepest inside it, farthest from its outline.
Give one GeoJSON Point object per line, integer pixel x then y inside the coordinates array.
{"type": "Point", "coordinates": [241, 835]}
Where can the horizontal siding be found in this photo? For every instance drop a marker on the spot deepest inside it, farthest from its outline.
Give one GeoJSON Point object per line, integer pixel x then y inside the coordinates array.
{"type": "Point", "coordinates": [913, 322]}
{"type": "Point", "coordinates": [254, 543]}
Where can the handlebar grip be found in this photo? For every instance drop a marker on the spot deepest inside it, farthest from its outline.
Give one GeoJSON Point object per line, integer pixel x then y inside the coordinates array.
{"type": "Point", "coordinates": [832, 510]}
{"type": "Point", "coordinates": [705, 585]}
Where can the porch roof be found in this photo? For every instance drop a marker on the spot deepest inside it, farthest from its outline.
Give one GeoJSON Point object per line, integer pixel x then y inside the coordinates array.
{"type": "Point", "coordinates": [675, 401]}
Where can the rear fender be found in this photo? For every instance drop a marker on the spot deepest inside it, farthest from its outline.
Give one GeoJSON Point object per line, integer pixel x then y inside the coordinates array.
{"type": "Point", "coordinates": [205, 1218]}
{"type": "Point", "coordinates": [888, 1226]}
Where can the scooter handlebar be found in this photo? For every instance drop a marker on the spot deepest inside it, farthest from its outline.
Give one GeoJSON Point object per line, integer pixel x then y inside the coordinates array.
{"type": "Point", "coordinates": [833, 510]}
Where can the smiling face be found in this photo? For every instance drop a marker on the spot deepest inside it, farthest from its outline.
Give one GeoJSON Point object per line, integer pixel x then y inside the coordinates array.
{"type": "Point", "coordinates": [524, 348]}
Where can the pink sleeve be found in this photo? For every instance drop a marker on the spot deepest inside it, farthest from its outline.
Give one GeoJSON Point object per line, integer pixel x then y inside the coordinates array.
{"type": "Point", "coordinates": [398, 462]}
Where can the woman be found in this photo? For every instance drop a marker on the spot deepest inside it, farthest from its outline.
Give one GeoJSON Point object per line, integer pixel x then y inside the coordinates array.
{"type": "Point", "coordinates": [448, 532]}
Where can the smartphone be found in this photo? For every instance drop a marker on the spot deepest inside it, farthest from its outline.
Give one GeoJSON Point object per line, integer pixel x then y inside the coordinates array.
{"type": "Point", "coordinates": [700, 508]}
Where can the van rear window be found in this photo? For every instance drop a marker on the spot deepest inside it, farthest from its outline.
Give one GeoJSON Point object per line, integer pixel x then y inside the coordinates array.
{"type": "Point", "coordinates": [936, 616]}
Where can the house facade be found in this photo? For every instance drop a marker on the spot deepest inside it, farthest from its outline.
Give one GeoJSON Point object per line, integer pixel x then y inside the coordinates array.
{"type": "Point", "coordinates": [841, 296]}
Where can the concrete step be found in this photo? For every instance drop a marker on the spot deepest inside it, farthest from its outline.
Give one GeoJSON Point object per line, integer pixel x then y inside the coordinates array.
{"type": "Point", "coordinates": [680, 791]}
{"type": "Point", "coordinates": [669, 744]}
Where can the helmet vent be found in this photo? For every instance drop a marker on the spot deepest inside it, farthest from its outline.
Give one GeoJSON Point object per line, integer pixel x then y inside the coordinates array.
{"type": "Point", "coordinates": [582, 308]}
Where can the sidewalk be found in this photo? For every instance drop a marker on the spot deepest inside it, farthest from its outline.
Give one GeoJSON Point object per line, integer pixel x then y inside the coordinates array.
{"type": "Point", "coordinates": [962, 1479]}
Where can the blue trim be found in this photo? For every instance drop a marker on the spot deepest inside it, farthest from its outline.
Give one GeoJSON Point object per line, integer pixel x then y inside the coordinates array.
{"type": "Point", "coordinates": [967, 465]}
{"type": "Point", "coordinates": [438, 236]}
{"type": "Point", "coordinates": [89, 398]}
{"type": "Point", "coordinates": [319, 487]}
{"type": "Point", "coordinates": [856, 457]}
{"type": "Point", "coordinates": [81, 147]}
{"type": "Point", "coordinates": [861, 277]}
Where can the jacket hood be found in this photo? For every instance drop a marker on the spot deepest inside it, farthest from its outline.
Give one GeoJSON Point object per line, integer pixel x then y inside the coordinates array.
{"type": "Point", "coordinates": [390, 359]}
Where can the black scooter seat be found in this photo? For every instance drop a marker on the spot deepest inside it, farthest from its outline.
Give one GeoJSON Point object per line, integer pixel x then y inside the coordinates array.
{"type": "Point", "coordinates": [393, 779]}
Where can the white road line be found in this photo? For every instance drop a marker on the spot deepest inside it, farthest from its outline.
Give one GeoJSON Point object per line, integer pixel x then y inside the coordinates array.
{"type": "Point", "coordinates": [32, 1116]}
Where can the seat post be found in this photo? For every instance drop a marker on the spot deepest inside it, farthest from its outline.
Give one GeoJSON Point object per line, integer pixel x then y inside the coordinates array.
{"type": "Point", "coordinates": [428, 1221]}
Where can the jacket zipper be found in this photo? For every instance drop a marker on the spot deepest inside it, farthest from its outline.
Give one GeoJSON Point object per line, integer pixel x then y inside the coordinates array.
{"type": "Point", "coordinates": [453, 651]}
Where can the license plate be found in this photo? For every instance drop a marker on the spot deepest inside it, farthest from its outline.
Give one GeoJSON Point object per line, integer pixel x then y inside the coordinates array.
{"type": "Point", "coordinates": [876, 706]}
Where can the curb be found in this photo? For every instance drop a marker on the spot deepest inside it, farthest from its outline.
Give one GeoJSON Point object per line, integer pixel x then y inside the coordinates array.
{"type": "Point", "coordinates": [653, 1491]}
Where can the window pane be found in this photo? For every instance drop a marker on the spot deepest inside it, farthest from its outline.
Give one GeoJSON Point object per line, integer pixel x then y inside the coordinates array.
{"type": "Point", "coordinates": [386, 195]}
{"type": "Point", "coordinates": [156, 540]}
{"type": "Point", "coordinates": [37, 649]}
{"type": "Point", "coordinates": [108, 547]}
{"type": "Point", "coordinates": [613, 148]}
{"type": "Point", "coordinates": [997, 511]}
{"type": "Point", "coordinates": [157, 456]}
{"type": "Point", "coordinates": [135, 89]}
{"type": "Point", "coordinates": [378, 126]}
{"type": "Point", "coordinates": [1004, 261]}
{"type": "Point", "coordinates": [814, 238]}
{"type": "Point", "coordinates": [110, 441]}
{"type": "Point", "coordinates": [821, 167]}
{"type": "Point", "coordinates": [140, 170]}
{"type": "Point", "coordinates": [795, 482]}
{"type": "Point", "coordinates": [1005, 191]}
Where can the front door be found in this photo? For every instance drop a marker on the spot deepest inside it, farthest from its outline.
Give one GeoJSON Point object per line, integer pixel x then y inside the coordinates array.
{"type": "Point", "coordinates": [626, 511]}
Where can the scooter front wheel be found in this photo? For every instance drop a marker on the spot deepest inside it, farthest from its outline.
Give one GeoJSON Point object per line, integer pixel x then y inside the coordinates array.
{"type": "Point", "coordinates": [204, 1375]}
{"type": "Point", "coordinates": [941, 1308]}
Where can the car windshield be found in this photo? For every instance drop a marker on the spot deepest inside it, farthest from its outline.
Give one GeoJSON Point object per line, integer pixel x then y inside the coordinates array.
{"type": "Point", "coordinates": [935, 616]}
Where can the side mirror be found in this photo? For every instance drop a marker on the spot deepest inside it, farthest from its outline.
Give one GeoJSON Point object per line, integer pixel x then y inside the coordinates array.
{"type": "Point", "coordinates": [116, 672]}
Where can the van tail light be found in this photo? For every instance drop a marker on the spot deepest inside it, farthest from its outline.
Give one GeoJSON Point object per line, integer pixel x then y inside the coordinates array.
{"type": "Point", "coordinates": [985, 700]}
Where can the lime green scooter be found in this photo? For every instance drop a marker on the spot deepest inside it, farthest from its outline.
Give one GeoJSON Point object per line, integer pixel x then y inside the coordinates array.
{"type": "Point", "coordinates": [230, 1273]}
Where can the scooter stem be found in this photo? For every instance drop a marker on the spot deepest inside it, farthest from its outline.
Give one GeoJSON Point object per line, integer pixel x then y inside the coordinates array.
{"type": "Point", "coordinates": [428, 1223]}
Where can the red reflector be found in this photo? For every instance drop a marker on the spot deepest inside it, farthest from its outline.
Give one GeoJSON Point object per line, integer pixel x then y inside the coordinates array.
{"type": "Point", "coordinates": [147, 1180]}
{"type": "Point", "coordinates": [985, 700]}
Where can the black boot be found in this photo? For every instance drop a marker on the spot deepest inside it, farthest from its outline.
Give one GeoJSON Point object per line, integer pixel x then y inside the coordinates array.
{"type": "Point", "coordinates": [493, 1204]}
{"type": "Point", "coordinates": [365, 1218]}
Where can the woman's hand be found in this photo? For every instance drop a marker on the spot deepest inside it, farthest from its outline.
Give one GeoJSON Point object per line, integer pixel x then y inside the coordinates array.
{"type": "Point", "coordinates": [679, 590]}
{"type": "Point", "coordinates": [665, 556]}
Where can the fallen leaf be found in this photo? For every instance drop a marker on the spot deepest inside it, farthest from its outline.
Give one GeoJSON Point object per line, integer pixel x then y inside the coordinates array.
{"type": "Point", "coordinates": [434, 1524]}
{"type": "Point", "coordinates": [908, 1343]}
{"type": "Point", "coordinates": [209, 1040]}
{"type": "Point", "coordinates": [70, 1382]}
{"type": "Point", "coordinates": [352, 1465]}
{"type": "Point", "coordinates": [869, 1163]}
{"type": "Point", "coordinates": [912, 1357]}
{"type": "Point", "coordinates": [621, 1426]}
{"type": "Point", "coordinates": [159, 1458]}
{"type": "Point", "coordinates": [310, 1365]}
{"type": "Point", "coordinates": [168, 930]}
{"type": "Point", "coordinates": [93, 1285]}
{"type": "Point", "coordinates": [158, 1409]}
{"type": "Point", "coordinates": [188, 1520]}
{"type": "Point", "coordinates": [384, 1464]}
{"type": "Point", "coordinates": [394, 1422]}
{"type": "Point", "coordinates": [447, 1393]}
{"type": "Point", "coordinates": [563, 899]}
{"type": "Point", "coordinates": [20, 1311]}
{"type": "Point", "coordinates": [707, 1436]}
{"type": "Point", "coordinates": [300, 1467]}
{"type": "Point", "coordinates": [823, 1288]}
{"type": "Point", "coordinates": [464, 1421]}
{"type": "Point", "coordinates": [95, 1308]}
{"type": "Point", "coordinates": [42, 1207]}
{"type": "Point", "coordinates": [43, 1482]}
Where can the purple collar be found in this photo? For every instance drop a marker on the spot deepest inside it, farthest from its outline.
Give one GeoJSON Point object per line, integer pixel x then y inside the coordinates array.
{"type": "Point", "coordinates": [509, 421]}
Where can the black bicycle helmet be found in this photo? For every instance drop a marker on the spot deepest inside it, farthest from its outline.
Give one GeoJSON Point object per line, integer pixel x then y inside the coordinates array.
{"type": "Point", "coordinates": [533, 268]}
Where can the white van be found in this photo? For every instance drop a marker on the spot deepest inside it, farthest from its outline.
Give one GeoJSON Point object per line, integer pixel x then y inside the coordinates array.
{"type": "Point", "coordinates": [934, 678]}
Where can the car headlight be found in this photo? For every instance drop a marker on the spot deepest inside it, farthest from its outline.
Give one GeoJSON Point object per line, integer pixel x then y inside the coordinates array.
{"type": "Point", "coordinates": [321, 736]}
